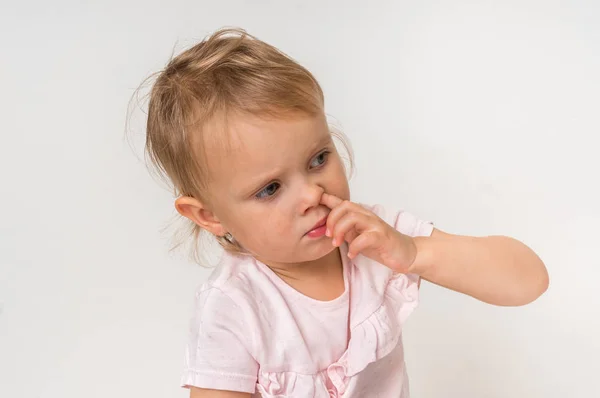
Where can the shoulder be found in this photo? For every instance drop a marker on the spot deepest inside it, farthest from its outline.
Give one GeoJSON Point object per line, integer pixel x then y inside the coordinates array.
{"type": "Point", "coordinates": [232, 282]}
{"type": "Point", "coordinates": [219, 352]}
{"type": "Point", "coordinates": [239, 287]}
{"type": "Point", "coordinates": [402, 220]}
{"type": "Point", "coordinates": [223, 316]}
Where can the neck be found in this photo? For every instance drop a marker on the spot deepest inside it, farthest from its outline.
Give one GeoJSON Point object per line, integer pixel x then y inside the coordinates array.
{"type": "Point", "coordinates": [327, 265]}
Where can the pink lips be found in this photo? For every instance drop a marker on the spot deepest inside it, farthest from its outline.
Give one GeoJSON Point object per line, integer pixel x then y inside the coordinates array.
{"type": "Point", "coordinates": [319, 229]}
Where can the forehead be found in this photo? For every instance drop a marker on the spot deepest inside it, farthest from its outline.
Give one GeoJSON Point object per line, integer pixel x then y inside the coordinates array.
{"type": "Point", "coordinates": [249, 145]}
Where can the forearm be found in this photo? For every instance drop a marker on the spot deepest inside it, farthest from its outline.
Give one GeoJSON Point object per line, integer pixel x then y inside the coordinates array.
{"type": "Point", "coordinates": [496, 269]}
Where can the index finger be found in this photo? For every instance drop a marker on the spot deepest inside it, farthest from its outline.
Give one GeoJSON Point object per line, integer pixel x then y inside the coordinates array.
{"type": "Point", "coordinates": [330, 201]}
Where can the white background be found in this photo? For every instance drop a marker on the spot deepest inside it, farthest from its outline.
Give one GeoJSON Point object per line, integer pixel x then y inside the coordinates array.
{"type": "Point", "coordinates": [480, 116]}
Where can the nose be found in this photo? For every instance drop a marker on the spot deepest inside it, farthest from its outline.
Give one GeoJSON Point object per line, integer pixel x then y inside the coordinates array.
{"type": "Point", "coordinates": [310, 196]}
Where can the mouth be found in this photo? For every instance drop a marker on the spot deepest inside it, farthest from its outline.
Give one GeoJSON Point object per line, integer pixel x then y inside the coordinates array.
{"type": "Point", "coordinates": [318, 229]}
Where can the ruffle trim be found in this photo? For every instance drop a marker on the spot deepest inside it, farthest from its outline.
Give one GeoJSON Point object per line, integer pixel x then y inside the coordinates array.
{"type": "Point", "coordinates": [371, 340]}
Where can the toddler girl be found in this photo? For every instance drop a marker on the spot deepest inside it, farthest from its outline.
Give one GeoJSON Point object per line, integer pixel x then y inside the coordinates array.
{"type": "Point", "coordinates": [312, 291]}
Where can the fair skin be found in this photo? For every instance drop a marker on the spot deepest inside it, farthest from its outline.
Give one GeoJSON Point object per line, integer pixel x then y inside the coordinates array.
{"type": "Point", "coordinates": [266, 187]}
{"type": "Point", "coordinates": [282, 176]}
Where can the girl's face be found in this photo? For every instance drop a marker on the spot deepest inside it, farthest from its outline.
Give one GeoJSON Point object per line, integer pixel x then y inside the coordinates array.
{"type": "Point", "coordinates": [266, 187]}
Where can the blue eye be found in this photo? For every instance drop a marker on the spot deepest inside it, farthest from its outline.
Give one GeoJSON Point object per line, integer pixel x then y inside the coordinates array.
{"type": "Point", "coordinates": [268, 191]}
{"type": "Point", "coordinates": [320, 159]}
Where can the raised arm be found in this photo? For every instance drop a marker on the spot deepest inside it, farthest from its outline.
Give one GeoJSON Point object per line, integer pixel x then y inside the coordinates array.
{"type": "Point", "coordinates": [495, 269]}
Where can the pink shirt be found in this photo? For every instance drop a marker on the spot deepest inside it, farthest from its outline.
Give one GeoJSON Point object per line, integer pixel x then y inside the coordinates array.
{"type": "Point", "coordinates": [251, 332]}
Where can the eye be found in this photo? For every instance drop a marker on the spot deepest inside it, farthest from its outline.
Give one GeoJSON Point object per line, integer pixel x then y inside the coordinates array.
{"type": "Point", "coordinates": [268, 191]}
{"type": "Point", "coordinates": [320, 159]}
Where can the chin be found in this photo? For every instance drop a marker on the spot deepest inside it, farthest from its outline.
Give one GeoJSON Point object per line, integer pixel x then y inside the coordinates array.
{"type": "Point", "coordinates": [302, 253]}
{"type": "Point", "coordinates": [321, 250]}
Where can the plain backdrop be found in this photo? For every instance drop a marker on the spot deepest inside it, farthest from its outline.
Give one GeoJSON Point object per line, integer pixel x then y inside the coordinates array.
{"type": "Point", "coordinates": [481, 116]}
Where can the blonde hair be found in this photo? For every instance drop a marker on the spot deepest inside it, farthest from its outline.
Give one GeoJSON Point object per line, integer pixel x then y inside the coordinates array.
{"type": "Point", "coordinates": [229, 71]}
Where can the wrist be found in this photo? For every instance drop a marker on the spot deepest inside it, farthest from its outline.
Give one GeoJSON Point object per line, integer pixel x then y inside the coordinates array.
{"type": "Point", "coordinates": [423, 262]}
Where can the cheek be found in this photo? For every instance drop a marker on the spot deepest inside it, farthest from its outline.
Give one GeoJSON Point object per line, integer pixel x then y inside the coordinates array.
{"type": "Point", "coordinates": [339, 182]}
{"type": "Point", "coordinates": [277, 225]}
{"type": "Point", "coordinates": [271, 239]}
{"type": "Point", "coordinates": [265, 224]}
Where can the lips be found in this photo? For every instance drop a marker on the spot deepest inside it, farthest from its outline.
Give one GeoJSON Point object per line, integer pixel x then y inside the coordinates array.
{"type": "Point", "coordinates": [321, 223]}
{"type": "Point", "coordinates": [319, 229]}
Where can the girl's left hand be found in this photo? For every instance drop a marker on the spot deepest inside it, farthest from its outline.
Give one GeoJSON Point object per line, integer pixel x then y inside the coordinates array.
{"type": "Point", "coordinates": [367, 234]}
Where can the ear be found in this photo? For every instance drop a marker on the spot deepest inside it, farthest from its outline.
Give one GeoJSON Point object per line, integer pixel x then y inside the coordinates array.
{"type": "Point", "coordinates": [197, 212]}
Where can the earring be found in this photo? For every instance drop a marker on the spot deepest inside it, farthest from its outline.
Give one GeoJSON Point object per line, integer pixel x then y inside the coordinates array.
{"type": "Point", "coordinates": [228, 237]}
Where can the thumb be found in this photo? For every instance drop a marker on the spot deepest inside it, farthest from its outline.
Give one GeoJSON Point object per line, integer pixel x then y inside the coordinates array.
{"type": "Point", "coordinates": [330, 201]}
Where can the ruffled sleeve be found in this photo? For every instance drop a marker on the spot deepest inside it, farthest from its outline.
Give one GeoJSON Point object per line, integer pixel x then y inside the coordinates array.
{"type": "Point", "coordinates": [217, 354]}
{"type": "Point", "coordinates": [405, 222]}
{"type": "Point", "coordinates": [380, 333]}
{"type": "Point", "coordinates": [382, 301]}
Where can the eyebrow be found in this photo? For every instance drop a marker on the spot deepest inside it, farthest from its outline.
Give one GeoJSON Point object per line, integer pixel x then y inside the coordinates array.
{"type": "Point", "coordinates": [263, 180]}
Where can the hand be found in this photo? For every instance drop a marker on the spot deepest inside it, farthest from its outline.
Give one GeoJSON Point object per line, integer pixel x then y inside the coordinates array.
{"type": "Point", "coordinates": [367, 234]}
